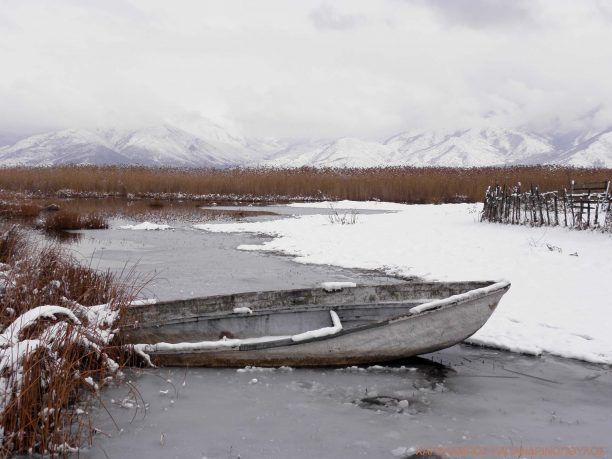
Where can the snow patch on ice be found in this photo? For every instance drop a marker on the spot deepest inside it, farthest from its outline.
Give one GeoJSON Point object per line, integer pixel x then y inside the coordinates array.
{"type": "Point", "coordinates": [377, 369]}
{"type": "Point", "coordinates": [146, 226]}
{"type": "Point", "coordinates": [351, 205]}
{"type": "Point", "coordinates": [403, 451]}
{"type": "Point", "coordinates": [251, 369]}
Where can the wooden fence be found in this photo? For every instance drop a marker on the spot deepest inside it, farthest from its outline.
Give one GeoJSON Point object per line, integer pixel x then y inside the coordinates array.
{"type": "Point", "coordinates": [582, 206]}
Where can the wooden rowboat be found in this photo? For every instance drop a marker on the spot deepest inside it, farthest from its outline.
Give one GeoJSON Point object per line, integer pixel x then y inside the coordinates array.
{"type": "Point", "coordinates": [334, 325]}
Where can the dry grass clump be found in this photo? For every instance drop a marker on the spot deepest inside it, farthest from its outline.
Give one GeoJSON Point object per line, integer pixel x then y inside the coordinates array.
{"type": "Point", "coordinates": [63, 220]}
{"type": "Point", "coordinates": [45, 274]}
{"type": "Point", "coordinates": [341, 218]}
{"type": "Point", "coordinates": [20, 210]}
{"type": "Point", "coordinates": [12, 243]}
{"type": "Point", "coordinates": [157, 204]}
{"type": "Point", "coordinates": [397, 184]}
{"type": "Point", "coordinates": [57, 347]}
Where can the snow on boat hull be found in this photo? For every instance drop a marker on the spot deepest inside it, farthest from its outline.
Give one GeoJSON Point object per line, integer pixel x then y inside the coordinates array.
{"type": "Point", "coordinates": [372, 324]}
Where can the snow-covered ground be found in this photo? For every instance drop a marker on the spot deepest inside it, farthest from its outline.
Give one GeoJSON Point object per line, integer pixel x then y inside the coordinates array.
{"type": "Point", "coordinates": [560, 298]}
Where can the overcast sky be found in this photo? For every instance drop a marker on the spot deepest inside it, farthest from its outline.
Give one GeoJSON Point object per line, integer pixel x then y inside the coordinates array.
{"type": "Point", "coordinates": [307, 68]}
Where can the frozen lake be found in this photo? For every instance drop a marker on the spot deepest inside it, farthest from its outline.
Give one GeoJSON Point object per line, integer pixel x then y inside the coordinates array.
{"type": "Point", "coordinates": [463, 396]}
{"type": "Point", "coordinates": [186, 262]}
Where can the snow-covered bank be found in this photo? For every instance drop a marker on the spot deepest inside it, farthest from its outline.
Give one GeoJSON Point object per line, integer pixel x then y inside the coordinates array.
{"type": "Point", "coordinates": [560, 298]}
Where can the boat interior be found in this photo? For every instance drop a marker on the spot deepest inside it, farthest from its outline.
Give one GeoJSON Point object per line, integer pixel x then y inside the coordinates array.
{"type": "Point", "coordinates": [280, 313]}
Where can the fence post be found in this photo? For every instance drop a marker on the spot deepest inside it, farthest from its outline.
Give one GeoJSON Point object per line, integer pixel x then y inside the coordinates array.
{"type": "Point", "coordinates": [588, 203]}
{"type": "Point", "coordinates": [565, 205]}
{"type": "Point", "coordinates": [534, 217]}
{"type": "Point", "coordinates": [540, 205]}
{"type": "Point", "coordinates": [571, 199]}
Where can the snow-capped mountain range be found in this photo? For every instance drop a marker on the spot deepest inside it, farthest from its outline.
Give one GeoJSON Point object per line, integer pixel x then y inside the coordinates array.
{"type": "Point", "coordinates": [196, 142]}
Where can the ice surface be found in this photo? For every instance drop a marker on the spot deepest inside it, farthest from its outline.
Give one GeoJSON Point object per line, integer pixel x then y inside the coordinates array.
{"type": "Point", "coordinates": [185, 263]}
{"type": "Point", "coordinates": [457, 397]}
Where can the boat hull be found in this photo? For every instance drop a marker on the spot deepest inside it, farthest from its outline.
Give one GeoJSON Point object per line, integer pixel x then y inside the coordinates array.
{"type": "Point", "coordinates": [385, 341]}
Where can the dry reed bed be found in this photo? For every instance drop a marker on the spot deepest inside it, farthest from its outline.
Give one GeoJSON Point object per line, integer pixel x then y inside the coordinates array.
{"type": "Point", "coordinates": [57, 344]}
{"type": "Point", "coordinates": [156, 210]}
{"type": "Point", "coordinates": [64, 220]}
{"type": "Point", "coordinates": [56, 215]}
{"type": "Point", "coordinates": [38, 215]}
{"type": "Point", "coordinates": [397, 184]}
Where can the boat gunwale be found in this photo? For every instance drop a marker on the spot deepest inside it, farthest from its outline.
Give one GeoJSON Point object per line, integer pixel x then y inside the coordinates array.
{"type": "Point", "coordinates": [312, 291]}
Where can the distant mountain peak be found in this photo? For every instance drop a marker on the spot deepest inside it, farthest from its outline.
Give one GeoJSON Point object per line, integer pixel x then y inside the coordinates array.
{"type": "Point", "coordinates": [594, 151]}
{"type": "Point", "coordinates": [196, 142]}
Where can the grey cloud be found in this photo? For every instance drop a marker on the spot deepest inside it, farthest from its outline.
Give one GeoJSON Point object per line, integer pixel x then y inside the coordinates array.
{"type": "Point", "coordinates": [481, 13]}
{"type": "Point", "coordinates": [604, 8]}
{"type": "Point", "coordinates": [326, 17]}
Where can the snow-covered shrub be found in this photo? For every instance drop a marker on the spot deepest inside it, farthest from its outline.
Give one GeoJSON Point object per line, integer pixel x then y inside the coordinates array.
{"type": "Point", "coordinates": [345, 218]}
{"type": "Point", "coordinates": [58, 322]}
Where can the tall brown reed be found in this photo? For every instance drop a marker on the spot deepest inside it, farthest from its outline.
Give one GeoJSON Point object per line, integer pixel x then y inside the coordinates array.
{"type": "Point", "coordinates": [399, 184]}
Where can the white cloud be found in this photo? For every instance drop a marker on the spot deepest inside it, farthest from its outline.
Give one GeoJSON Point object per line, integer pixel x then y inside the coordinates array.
{"type": "Point", "coordinates": [299, 68]}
